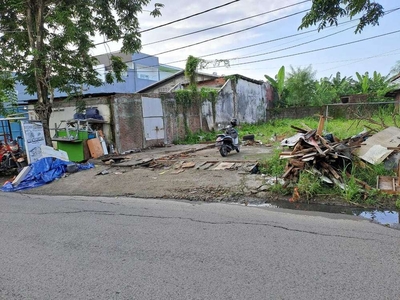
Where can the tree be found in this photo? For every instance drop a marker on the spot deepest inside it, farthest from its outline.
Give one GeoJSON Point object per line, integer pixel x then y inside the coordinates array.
{"type": "Point", "coordinates": [325, 13]}
{"type": "Point", "coordinates": [325, 92]}
{"type": "Point", "coordinates": [46, 43]}
{"type": "Point", "coordinates": [8, 95]}
{"type": "Point", "coordinates": [278, 84]}
{"type": "Point", "coordinates": [300, 84]}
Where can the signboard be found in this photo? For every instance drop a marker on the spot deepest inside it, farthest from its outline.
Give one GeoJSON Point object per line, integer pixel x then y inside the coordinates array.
{"type": "Point", "coordinates": [33, 139]}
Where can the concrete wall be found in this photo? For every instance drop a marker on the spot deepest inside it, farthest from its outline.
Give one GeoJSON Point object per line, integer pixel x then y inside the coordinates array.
{"type": "Point", "coordinates": [347, 111]}
{"type": "Point", "coordinates": [244, 100]}
{"type": "Point", "coordinates": [128, 122]}
{"type": "Point", "coordinates": [65, 110]}
{"type": "Point", "coordinates": [251, 102]}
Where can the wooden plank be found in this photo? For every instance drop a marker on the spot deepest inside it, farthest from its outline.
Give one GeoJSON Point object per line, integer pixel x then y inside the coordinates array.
{"type": "Point", "coordinates": [321, 124]}
{"type": "Point", "coordinates": [297, 163]}
{"type": "Point", "coordinates": [330, 169]}
{"type": "Point", "coordinates": [287, 172]}
{"type": "Point", "coordinates": [95, 148]}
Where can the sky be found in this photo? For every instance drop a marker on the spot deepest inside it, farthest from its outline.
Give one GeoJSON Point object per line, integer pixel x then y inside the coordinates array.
{"type": "Point", "coordinates": [378, 54]}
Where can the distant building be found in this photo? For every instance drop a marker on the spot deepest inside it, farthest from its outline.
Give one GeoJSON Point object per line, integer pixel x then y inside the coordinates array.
{"type": "Point", "coordinates": [143, 70]}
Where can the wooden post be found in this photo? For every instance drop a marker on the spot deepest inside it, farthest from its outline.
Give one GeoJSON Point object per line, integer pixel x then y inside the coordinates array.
{"type": "Point", "coordinates": [321, 124]}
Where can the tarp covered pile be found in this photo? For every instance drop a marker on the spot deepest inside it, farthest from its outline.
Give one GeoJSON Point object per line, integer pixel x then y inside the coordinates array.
{"type": "Point", "coordinates": [42, 172]}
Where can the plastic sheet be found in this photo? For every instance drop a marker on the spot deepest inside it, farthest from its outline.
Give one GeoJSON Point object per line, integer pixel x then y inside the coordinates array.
{"type": "Point", "coordinates": [42, 172]}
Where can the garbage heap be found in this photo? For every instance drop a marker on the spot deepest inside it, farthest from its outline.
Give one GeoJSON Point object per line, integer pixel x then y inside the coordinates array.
{"type": "Point", "coordinates": [325, 156]}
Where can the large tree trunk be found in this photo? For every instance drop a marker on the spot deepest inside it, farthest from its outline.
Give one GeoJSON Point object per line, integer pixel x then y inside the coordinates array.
{"type": "Point", "coordinates": [35, 26]}
{"type": "Point", "coordinates": [43, 111]}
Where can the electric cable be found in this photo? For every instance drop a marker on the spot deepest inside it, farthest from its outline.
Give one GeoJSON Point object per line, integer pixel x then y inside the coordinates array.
{"type": "Point", "coordinates": [314, 50]}
{"type": "Point", "coordinates": [179, 20]}
{"type": "Point", "coordinates": [225, 24]}
{"type": "Point", "coordinates": [218, 37]}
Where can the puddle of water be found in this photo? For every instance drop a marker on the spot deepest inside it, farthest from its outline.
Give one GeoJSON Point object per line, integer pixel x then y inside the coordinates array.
{"type": "Point", "coordinates": [391, 218]}
{"type": "Point", "coordinates": [382, 217]}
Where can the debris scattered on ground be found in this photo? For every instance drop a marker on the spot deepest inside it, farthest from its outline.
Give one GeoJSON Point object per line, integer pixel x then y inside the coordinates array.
{"type": "Point", "coordinates": [330, 158]}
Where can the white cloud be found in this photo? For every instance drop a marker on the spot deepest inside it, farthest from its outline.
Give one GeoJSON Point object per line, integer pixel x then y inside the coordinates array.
{"type": "Point", "coordinates": [175, 9]}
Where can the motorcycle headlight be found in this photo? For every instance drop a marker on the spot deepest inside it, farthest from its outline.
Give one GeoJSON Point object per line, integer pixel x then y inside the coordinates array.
{"type": "Point", "coordinates": [14, 148]}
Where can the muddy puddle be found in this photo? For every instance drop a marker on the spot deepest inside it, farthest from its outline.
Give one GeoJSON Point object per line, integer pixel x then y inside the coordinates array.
{"type": "Point", "coordinates": [387, 218]}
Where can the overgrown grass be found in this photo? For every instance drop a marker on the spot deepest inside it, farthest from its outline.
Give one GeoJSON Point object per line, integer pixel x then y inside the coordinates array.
{"type": "Point", "coordinates": [273, 130]}
{"type": "Point", "coordinates": [309, 185]}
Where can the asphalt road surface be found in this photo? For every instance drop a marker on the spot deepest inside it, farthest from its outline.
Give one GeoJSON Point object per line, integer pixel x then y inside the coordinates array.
{"type": "Point", "coordinates": [122, 248]}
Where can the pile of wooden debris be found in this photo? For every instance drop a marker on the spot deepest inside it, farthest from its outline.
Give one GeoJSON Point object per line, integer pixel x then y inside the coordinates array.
{"type": "Point", "coordinates": [325, 156]}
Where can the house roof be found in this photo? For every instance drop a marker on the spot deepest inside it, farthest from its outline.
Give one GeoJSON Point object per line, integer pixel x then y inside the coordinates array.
{"type": "Point", "coordinates": [170, 78]}
{"type": "Point", "coordinates": [395, 77]}
{"type": "Point", "coordinates": [249, 79]}
{"type": "Point", "coordinates": [393, 93]}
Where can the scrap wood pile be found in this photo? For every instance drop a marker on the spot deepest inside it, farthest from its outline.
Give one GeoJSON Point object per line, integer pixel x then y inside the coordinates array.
{"type": "Point", "coordinates": [326, 156]}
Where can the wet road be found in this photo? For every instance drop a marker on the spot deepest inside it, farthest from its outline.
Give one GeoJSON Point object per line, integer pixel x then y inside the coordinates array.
{"type": "Point", "coordinates": [121, 248]}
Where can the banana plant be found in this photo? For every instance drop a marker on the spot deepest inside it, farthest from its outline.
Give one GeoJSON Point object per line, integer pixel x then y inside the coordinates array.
{"type": "Point", "coordinates": [278, 83]}
{"type": "Point", "coordinates": [363, 81]}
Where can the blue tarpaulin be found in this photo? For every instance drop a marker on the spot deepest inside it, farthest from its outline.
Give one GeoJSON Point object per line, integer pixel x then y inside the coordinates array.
{"type": "Point", "coordinates": [42, 172]}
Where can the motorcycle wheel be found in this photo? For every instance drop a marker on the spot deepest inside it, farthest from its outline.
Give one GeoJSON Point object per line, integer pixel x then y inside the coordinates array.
{"type": "Point", "coordinates": [223, 151]}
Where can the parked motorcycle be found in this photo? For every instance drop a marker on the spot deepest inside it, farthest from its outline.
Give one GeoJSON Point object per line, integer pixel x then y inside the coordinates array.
{"type": "Point", "coordinates": [229, 141]}
{"type": "Point", "coordinates": [11, 156]}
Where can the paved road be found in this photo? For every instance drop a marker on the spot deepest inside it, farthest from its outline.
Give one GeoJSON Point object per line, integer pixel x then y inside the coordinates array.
{"type": "Point", "coordinates": [121, 248]}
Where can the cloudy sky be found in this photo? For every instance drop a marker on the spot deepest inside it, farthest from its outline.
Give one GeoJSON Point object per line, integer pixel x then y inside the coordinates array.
{"type": "Point", "coordinates": [267, 56]}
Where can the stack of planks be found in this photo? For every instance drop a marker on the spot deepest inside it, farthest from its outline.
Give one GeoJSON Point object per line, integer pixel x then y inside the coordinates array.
{"type": "Point", "coordinates": [322, 156]}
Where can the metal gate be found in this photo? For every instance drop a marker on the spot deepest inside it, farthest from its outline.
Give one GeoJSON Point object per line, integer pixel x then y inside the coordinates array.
{"type": "Point", "coordinates": [153, 119]}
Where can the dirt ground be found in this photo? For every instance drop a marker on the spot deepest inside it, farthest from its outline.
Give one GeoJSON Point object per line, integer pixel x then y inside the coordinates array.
{"type": "Point", "coordinates": [194, 172]}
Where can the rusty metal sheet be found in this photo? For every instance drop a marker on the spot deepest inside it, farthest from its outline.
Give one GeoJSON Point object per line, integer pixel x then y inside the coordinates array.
{"type": "Point", "coordinates": [374, 150]}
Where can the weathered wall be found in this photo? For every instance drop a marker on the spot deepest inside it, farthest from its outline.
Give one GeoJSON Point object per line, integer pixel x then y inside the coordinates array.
{"type": "Point", "coordinates": [244, 100]}
{"type": "Point", "coordinates": [128, 122]}
{"type": "Point", "coordinates": [65, 110]}
{"type": "Point", "coordinates": [250, 102]}
{"type": "Point", "coordinates": [348, 111]}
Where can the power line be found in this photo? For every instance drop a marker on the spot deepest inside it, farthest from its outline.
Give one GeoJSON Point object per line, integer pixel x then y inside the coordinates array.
{"type": "Point", "coordinates": [293, 46]}
{"type": "Point", "coordinates": [257, 44]}
{"type": "Point", "coordinates": [178, 20]}
{"type": "Point", "coordinates": [225, 24]}
{"type": "Point", "coordinates": [188, 17]}
{"type": "Point", "coordinates": [282, 49]}
{"type": "Point", "coordinates": [220, 36]}
{"type": "Point", "coordinates": [365, 58]}
{"type": "Point", "coordinates": [315, 50]}
{"type": "Point", "coordinates": [228, 34]}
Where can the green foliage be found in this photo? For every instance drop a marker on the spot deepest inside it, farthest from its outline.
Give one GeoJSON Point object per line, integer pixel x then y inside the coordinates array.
{"type": "Point", "coordinates": [8, 95]}
{"type": "Point", "coordinates": [273, 166]}
{"type": "Point", "coordinates": [325, 93]}
{"type": "Point", "coordinates": [279, 85]}
{"type": "Point", "coordinates": [47, 43]}
{"type": "Point", "coordinates": [233, 78]}
{"type": "Point", "coordinates": [300, 84]}
{"type": "Point", "coordinates": [368, 173]}
{"type": "Point", "coordinates": [397, 203]}
{"type": "Point", "coordinates": [192, 63]}
{"type": "Point", "coordinates": [326, 13]}
{"type": "Point", "coordinates": [196, 138]}
{"type": "Point", "coordinates": [351, 190]}
{"type": "Point", "coordinates": [308, 184]}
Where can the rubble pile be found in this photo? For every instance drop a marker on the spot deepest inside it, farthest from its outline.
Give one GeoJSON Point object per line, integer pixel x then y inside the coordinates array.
{"type": "Point", "coordinates": [325, 156]}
